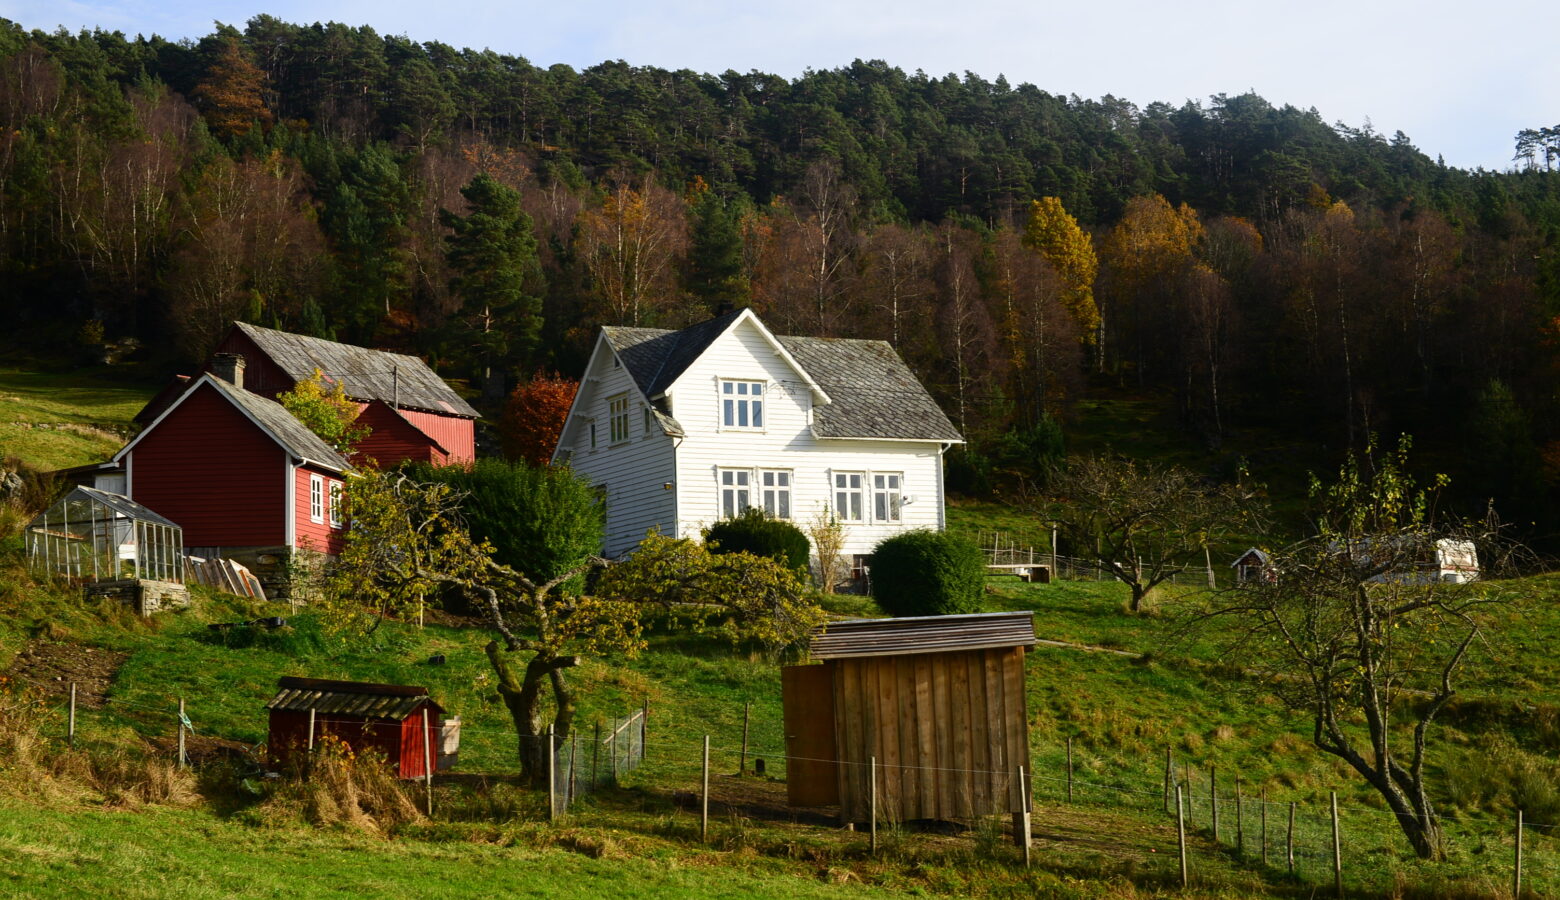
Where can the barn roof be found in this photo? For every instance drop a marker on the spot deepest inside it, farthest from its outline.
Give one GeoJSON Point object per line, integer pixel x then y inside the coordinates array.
{"type": "Point", "coordinates": [923, 634]}
{"type": "Point", "coordinates": [364, 374]}
{"type": "Point", "coordinates": [350, 698]}
{"type": "Point", "coordinates": [871, 392]}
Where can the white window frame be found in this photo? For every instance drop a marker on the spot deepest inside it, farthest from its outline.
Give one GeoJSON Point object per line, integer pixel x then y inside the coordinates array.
{"type": "Point", "coordinates": [648, 419]}
{"type": "Point", "coordinates": [334, 496]}
{"type": "Point", "coordinates": [841, 492]}
{"type": "Point", "coordinates": [316, 499]}
{"type": "Point", "coordinates": [617, 417]}
{"type": "Point", "coordinates": [888, 497]}
{"type": "Point", "coordinates": [742, 404]}
{"type": "Point", "coordinates": [776, 489]}
{"type": "Point", "coordinates": [735, 491]}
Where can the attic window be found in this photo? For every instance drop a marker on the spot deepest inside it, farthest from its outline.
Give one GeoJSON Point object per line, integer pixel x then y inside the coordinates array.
{"type": "Point", "coordinates": [648, 419]}
{"type": "Point", "coordinates": [742, 404]}
{"type": "Point", "coordinates": [617, 408]}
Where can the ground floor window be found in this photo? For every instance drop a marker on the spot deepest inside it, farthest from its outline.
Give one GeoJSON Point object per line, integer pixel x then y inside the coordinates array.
{"type": "Point", "coordinates": [736, 492]}
{"type": "Point", "coordinates": [777, 492]}
{"type": "Point", "coordinates": [887, 499]}
{"type": "Point", "coordinates": [848, 496]}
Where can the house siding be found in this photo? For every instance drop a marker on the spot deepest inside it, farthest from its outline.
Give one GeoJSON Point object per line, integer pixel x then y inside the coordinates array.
{"type": "Point", "coordinates": [309, 534]}
{"type": "Point", "coordinates": [454, 433]}
{"type": "Point", "coordinates": [634, 473]}
{"type": "Point", "coordinates": [392, 440]}
{"type": "Point", "coordinates": [786, 442]}
{"type": "Point", "coordinates": [215, 473]}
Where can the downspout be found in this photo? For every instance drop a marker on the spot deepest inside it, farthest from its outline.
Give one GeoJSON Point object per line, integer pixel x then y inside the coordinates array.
{"type": "Point", "coordinates": [942, 516]}
{"type": "Point", "coordinates": [676, 486]}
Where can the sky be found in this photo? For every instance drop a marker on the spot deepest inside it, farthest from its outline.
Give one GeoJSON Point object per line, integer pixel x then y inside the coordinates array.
{"type": "Point", "coordinates": [1460, 79]}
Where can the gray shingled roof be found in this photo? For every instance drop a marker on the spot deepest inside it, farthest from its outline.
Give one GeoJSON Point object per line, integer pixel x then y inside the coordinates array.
{"type": "Point", "coordinates": [874, 393]}
{"type": "Point", "coordinates": [273, 417]}
{"type": "Point", "coordinates": [364, 374]}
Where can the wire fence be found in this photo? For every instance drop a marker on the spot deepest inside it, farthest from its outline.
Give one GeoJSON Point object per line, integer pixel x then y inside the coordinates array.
{"type": "Point", "coordinates": [1260, 824]}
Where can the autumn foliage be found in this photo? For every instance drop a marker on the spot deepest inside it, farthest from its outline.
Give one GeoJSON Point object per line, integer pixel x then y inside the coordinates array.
{"type": "Point", "coordinates": [533, 418]}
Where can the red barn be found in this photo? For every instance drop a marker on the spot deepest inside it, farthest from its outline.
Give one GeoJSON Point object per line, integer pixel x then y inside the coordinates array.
{"type": "Point", "coordinates": [400, 722]}
{"type": "Point", "coordinates": [243, 477]}
{"type": "Point", "coordinates": [430, 421]}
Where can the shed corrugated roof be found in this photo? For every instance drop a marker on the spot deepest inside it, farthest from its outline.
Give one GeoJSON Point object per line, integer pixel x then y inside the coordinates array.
{"type": "Point", "coordinates": [363, 373]}
{"type": "Point", "coordinates": [873, 393]}
{"type": "Point", "coordinates": [923, 634]}
{"type": "Point", "coordinates": [350, 698]}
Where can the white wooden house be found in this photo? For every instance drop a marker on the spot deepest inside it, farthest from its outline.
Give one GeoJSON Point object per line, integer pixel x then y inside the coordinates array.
{"type": "Point", "coordinates": [683, 428]}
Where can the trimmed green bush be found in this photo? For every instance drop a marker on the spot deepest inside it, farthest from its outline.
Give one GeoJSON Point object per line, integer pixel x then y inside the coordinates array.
{"type": "Point", "coordinates": [927, 573]}
{"type": "Point", "coordinates": [760, 535]}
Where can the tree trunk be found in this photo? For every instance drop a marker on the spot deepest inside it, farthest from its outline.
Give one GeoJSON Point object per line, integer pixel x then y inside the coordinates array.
{"type": "Point", "coordinates": [522, 696]}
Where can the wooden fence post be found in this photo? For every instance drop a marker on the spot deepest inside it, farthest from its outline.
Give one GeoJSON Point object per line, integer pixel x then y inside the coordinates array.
{"type": "Point", "coordinates": [428, 760]}
{"type": "Point", "coordinates": [1069, 771]}
{"type": "Point", "coordinates": [574, 758]}
{"type": "Point", "coordinates": [1337, 848]}
{"type": "Point", "coordinates": [311, 729]}
{"type": "Point", "coordinates": [552, 776]}
{"type": "Point", "coordinates": [747, 713]}
{"type": "Point", "coordinates": [70, 725]}
{"type": "Point", "coordinates": [595, 757]}
{"type": "Point", "coordinates": [1180, 831]}
{"type": "Point", "coordinates": [644, 730]}
{"type": "Point", "coordinates": [1169, 769]}
{"type": "Point", "coordinates": [1516, 876]}
{"type": "Point", "coordinates": [1213, 799]}
{"type": "Point", "coordinates": [1186, 779]}
{"type": "Point", "coordinates": [704, 796]}
{"type": "Point", "coordinates": [183, 758]}
{"type": "Point", "coordinates": [1240, 822]}
{"type": "Point", "coordinates": [612, 756]}
{"type": "Point", "coordinates": [1021, 820]}
{"type": "Point", "coordinates": [1264, 826]}
{"type": "Point", "coordinates": [1290, 844]}
{"type": "Point", "coordinates": [872, 801]}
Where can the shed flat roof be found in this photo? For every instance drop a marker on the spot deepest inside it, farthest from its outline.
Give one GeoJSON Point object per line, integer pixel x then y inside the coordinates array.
{"type": "Point", "coordinates": [350, 698]}
{"type": "Point", "coordinates": [923, 634]}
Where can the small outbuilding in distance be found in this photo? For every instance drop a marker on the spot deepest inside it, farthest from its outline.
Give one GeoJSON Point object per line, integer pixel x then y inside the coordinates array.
{"type": "Point", "coordinates": [400, 722]}
{"type": "Point", "coordinates": [936, 701]}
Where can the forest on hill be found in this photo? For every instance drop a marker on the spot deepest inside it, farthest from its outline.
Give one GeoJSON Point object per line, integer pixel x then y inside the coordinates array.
{"type": "Point", "coordinates": [1252, 263]}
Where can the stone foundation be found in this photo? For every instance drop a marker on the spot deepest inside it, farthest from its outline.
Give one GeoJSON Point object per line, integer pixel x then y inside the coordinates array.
{"type": "Point", "coordinates": [145, 597]}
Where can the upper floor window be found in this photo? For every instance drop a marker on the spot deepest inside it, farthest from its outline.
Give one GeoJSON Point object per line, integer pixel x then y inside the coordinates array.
{"type": "Point", "coordinates": [848, 496]}
{"type": "Point", "coordinates": [617, 409]}
{"type": "Point", "coordinates": [887, 501]}
{"type": "Point", "coordinates": [736, 492]}
{"type": "Point", "coordinates": [593, 435]}
{"type": "Point", "coordinates": [335, 504]}
{"type": "Point", "coordinates": [742, 404]}
{"type": "Point", "coordinates": [776, 484]}
{"type": "Point", "coordinates": [316, 499]}
{"type": "Point", "coordinates": [649, 419]}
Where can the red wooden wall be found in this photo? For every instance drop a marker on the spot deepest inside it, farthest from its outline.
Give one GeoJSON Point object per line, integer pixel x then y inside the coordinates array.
{"type": "Point", "coordinates": [391, 439]}
{"type": "Point", "coordinates": [215, 473]}
{"type": "Point", "coordinates": [453, 433]}
{"type": "Point", "coordinates": [400, 743]}
{"type": "Point", "coordinates": [318, 536]}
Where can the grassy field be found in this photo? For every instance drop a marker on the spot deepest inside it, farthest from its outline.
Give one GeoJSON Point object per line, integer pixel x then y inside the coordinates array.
{"type": "Point", "coordinates": [1121, 713]}
{"type": "Point", "coordinates": [56, 420]}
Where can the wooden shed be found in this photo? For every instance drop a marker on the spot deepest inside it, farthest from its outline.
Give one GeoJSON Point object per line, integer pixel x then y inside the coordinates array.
{"type": "Point", "coordinates": [401, 722]}
{"type": "Point", "coordinates": [938, 701]}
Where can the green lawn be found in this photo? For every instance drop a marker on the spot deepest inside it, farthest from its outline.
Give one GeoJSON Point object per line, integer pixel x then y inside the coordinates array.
{"type": "Point", "coordinates": [52, 420]}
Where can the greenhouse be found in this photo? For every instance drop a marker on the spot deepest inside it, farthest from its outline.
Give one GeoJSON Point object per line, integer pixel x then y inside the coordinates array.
{"type": "Point", "coordinates": [93, 535]}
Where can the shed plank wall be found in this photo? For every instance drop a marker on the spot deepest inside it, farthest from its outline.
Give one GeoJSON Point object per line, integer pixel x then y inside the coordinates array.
{"type": "Point", "coordinates": [392, 440]}
{"type": "Point", "coordinates": [948, 730]}
{"type": "Point", "coordinates": [453, 433]}
{"type": "Point", "coordinates": [215, 473]}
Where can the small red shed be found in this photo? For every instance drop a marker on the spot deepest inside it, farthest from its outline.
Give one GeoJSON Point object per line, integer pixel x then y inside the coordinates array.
{"type": "Point", "coordinates": [399, 721]}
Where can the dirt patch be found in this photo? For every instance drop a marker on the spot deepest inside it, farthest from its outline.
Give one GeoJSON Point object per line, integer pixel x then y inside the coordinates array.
{"type": "Point", "coordinates": [202, 749]}
{"type": "Point", "coordinates": [52, 666]}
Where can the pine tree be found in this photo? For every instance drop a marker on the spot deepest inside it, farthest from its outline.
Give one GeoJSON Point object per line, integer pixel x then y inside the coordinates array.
{"type": "Point", "coordinates": [716, 276]}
